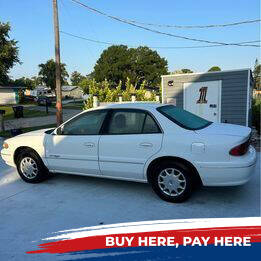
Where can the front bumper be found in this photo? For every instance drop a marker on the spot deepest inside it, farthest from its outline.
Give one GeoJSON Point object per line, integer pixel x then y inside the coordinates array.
{"type": "Point", "coordinates": [7, 157]}
{"type": "Point", "coordinates": [232, 173]}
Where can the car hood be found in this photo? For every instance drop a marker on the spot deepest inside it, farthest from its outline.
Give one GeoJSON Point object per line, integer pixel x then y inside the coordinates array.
{"type": "Point", "coordinates": [35, 133]}
{"type": "Point", "coordinates": [225, 129]}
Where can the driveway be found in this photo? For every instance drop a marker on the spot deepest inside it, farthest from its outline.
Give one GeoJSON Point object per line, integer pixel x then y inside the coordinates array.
{"type": "Point", "coordinates": [39, 121]}
{"type": "Point", "coordinates": [30, 212]}
{"type": "Point", "coordinates": [52, 109]}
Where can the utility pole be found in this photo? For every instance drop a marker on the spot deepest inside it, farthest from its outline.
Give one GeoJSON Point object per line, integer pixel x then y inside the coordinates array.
{"type": "Point", "coordinates": [59, 112]}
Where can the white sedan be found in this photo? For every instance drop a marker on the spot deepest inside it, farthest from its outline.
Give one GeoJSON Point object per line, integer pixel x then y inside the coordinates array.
{"type": "Point", "coordinates": [168, 147]}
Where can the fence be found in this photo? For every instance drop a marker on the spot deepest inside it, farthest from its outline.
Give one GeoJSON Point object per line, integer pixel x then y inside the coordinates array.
{"type": "Point", "coordinates": [96, 102]}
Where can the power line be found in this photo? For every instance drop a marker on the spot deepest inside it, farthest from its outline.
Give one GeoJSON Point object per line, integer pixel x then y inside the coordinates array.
{"type": "Point", "coordinates": [152, 47]}
{"type": "Point", "coordinates": [156, 31]}
{"type": "Point", "coordinates": [196, 26]}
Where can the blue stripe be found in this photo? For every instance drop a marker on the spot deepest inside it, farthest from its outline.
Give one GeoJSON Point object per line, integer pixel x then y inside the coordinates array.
{"type": "Point", "coordinates": [188, 253]}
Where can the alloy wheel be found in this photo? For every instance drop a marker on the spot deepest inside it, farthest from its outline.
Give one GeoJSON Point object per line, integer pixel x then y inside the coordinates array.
{"type": "Point", "coordinates": [29, 167]}
{"type": "Point", "coordinates": [171, 182]}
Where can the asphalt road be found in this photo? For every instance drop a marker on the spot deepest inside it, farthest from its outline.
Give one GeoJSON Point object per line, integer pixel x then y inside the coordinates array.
{"type": "Point", "coordinates": [30, 212]}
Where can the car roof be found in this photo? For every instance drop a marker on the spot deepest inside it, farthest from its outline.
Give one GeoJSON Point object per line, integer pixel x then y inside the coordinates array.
{"type": "Point", "coordinates": [132, 105]}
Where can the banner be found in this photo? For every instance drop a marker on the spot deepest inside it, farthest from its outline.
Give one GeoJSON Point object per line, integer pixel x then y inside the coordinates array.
{"type": "Point", "coordinates": [187, 239]}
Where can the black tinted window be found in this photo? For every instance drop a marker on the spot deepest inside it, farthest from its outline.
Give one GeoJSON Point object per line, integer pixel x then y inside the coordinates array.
{"type": "Point", "coordinates": [88, 123]}
{"type": "Point", "coordinates": [150, 126]}
{"type": "Point", "coordinates": [183, 118]}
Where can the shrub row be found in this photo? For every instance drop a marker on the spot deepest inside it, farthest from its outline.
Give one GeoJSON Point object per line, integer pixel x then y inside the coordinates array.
{"type": "Point", "coordinates": [107, 93]}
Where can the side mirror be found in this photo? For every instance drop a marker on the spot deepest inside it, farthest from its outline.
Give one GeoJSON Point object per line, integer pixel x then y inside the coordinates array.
{"type": "Point", "coordinates": [60, 130]}
{"type": "Point", "coordinates": [54, 132]}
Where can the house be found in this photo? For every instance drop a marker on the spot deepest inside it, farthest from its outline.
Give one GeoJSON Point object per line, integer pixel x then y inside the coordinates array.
{"type": "Point", "coordinates": [223, 96]}
{"type": "Point", "coordinates": [39, 90]}
{"type": "Point", "coordinates": [9, 95]}
{"type": "Point", "coordinates": [73, 92]}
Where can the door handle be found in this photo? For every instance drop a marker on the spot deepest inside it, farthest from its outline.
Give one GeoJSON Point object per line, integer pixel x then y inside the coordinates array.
{"type": "Point", "coordinates": [146, 144]}
{"type": "Point", "coordinates": [54, 156]}
{"type": "Point", "coordinates": [89, 144]}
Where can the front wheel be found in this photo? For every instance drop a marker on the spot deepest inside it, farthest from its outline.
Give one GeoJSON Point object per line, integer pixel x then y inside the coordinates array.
{"type": "Point", "coordinates": [171, 181]}
{"type": "Point", "coordinates": [31, 168]}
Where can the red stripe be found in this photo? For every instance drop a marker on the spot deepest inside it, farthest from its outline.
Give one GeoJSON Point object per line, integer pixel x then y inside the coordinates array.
{"type": "Point", "coordinates": [99, 242]}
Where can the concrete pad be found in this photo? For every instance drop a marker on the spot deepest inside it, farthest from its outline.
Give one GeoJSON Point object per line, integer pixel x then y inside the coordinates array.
{"type": "Point", "coordinates": [29, 212]}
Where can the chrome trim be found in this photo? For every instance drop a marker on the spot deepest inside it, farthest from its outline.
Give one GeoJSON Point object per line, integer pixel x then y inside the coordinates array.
{"type": "Point", "coordinates": [100, 176]}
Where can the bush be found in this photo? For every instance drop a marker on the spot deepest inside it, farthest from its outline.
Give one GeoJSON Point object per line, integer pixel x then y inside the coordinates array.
{"type": "Point", "coordinates": [256, 113]}
{"type": "Point", "coordinates": [106, 93]}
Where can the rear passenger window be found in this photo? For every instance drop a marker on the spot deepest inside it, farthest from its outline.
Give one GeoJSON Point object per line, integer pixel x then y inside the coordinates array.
{"type": "Point", "coordinates": [150, 126]}
{"type": "Point", "coordinates": [132, 122]}
{"type": "Point", "coordinates": [126, 122]}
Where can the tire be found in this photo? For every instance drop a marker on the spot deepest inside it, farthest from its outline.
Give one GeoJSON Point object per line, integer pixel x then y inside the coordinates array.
{"type": "Point", "coordinates": [172, 181]}
{"type": "Point", "coordinates": [30, 167]}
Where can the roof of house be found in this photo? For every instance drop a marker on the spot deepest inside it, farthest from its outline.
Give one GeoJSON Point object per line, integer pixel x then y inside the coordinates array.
{"type": "Point", "coordinates": [12, 87]}
{"type": "Point", "coordinates": [68, 88]}
{"type": "Point", "coordinates": [41, 87]}
{"type": "Point", "coordinates": [212, 72]}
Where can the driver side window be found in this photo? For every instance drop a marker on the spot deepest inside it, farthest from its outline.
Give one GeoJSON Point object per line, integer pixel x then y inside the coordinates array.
{"type": "Point", "coordinates": [88, 123]}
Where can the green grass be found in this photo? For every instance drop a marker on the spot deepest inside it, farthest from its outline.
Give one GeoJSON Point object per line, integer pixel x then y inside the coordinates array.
{"type": "Point", "coordinates": [74, 105]}
{"type": "Point", "coordinates": [9, 113]}
{"type": "Point", "coordinates": [78, 105]}
{"type": "Point", "coordinates": [7, 134]}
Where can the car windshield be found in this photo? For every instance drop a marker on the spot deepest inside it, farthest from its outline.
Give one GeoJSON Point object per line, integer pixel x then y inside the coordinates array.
{"type": "Point", "coordinates": [185, 119]}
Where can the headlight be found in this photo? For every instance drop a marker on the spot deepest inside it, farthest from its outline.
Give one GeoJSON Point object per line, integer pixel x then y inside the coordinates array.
{"type": "Point", "coordinates": [5, 145]}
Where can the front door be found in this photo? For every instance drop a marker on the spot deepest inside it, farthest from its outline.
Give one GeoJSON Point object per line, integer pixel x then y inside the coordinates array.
{"type": "Point", "coordinates": [203, 99]}
{"type": "Point", "coordinates": [74, 149]}
{"type": "Point", "coordinates": [130, 138]}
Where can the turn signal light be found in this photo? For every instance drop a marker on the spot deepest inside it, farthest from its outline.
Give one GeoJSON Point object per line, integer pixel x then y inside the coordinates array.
{"type": "Point", "coordinates": [5, 145]}
{"type": "Point", "coordinates": [240, 150]}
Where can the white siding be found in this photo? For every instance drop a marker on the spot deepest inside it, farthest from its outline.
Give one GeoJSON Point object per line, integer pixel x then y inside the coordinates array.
{"type": "Point", "coordinates": [235, 91]}
{"type": "Point", "coordinates": [7, 96]}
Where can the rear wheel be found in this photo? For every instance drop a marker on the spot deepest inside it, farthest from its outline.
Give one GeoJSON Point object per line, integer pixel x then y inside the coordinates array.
{"type": "Point", "coordinates": [30, 167]}
{"type": "Point", "coordinates": [171, 181]}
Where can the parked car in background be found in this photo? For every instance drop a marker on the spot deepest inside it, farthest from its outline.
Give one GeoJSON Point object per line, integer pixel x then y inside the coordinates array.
{"type": "Point", "coordinates": [172, 149]}
{"type": "Point", "coordinates": [40, 91]}
{"type": "Point", "coordinates": [42, 100]}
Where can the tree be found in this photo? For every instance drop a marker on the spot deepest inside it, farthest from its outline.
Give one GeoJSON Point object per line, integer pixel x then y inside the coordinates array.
{"type": "Point", "coordinates": [118, 62]}
{"type": "Point", "coordinates": [147, 66]}
{"type": "Point", "coordinates": [257, 75]}
{"type": "Point", "coordinates": [183, 71]}
{"type": "Point", "coordinates": [8, 53]}
{"type": "Point", "coordinates": [214, 69]}
{"type": "Point", "coordinates": [47, 73]}
{"type": "Point", "coordinates": [37, 80]}
{"type": "Point", "coordinates": [76, 78]}
{"type": "Point", "coordinates": [186, 71]}
{"type": "Point", "coordinates": [24, 82]}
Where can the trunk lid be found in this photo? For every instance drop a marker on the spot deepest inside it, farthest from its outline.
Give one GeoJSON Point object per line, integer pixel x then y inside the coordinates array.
{"type": "Point", "coordinates": [225, 129]}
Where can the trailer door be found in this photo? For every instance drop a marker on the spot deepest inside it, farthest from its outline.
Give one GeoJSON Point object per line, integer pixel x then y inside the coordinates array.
{"type": "Point", "coordinates": [203, 99]}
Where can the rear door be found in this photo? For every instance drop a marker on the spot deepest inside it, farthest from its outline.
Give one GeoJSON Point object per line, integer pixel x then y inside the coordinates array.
{"type": "Point", "coordinates": [130, 138]}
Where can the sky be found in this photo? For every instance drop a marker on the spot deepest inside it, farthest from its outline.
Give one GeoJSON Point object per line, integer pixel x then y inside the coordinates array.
{"type": "Point", "coordinates": [32, 26]}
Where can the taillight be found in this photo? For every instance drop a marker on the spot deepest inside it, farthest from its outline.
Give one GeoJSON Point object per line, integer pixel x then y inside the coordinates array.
{"type": "Point", "coordinates": [240, 150]}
